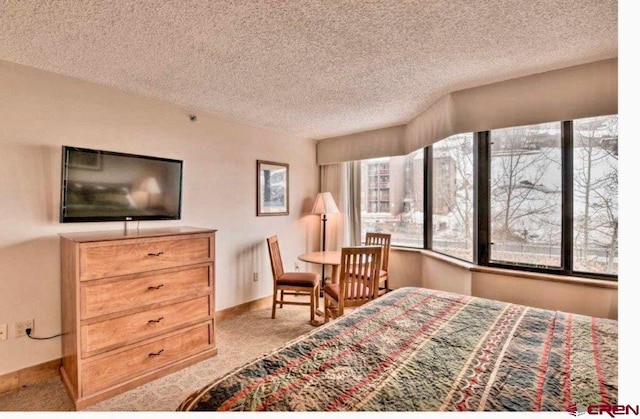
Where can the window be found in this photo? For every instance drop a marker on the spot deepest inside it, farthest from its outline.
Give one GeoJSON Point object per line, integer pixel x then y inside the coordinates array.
{"type": "Point", "coordinates": [541, 198]}
{"type": "Point", "coordinates": [453, 196]}
{"type": "Point", "coordinates": [595, 191]}
{"type": "Point", "coordinates": [393, 197]}
{"type": "Point", "coordinates": [526, 195]}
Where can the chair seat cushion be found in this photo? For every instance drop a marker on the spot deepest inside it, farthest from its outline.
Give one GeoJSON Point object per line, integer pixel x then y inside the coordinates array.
{"type": "Point", "coordinates": [333, 290]}
{"type": "Point", "coordinates": [299, 279]}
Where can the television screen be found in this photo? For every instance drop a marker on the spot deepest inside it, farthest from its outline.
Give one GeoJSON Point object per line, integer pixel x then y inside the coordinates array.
{"type": "Point", "coordinates": [102, 185]}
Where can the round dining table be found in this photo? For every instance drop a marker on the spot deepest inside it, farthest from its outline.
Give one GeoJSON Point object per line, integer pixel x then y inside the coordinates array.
{"type": "Point", "coordinates": [331, 258]}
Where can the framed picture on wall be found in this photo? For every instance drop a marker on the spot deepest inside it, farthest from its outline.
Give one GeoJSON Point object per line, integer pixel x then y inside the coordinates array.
{"type": "Point", "coordinates": [272, 188]}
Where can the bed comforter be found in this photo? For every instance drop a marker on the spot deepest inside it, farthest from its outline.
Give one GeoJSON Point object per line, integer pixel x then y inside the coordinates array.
{"type": "Point", "coordinates": [416, 349]}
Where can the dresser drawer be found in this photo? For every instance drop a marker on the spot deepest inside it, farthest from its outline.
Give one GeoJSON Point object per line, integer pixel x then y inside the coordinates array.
{"type": "Point", "coordinates": [143, 325]}
{"type": "Point", "coordinates": [113, 369]}
{"type": "Point", "coordinates": [107, 259]}
{"type": "Point", "coordinates": [99, 297]}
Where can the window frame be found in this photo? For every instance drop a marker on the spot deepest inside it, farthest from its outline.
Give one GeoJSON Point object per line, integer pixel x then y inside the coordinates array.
{"type": "Point", "coordinates": [482, 208]}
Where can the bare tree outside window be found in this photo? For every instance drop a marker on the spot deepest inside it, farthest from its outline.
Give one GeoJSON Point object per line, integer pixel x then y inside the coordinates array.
{"type": "Point", "coordinates": [526, 195]}
{"type": "Point", "coordinates": [595, 163]}
{"type": "Point", "coordinates": [453, 196]}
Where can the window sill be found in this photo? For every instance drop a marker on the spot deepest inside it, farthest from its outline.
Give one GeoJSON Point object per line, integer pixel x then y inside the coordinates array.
{"type": "Point", "coordinates": [598, 283]}
{"type": "Point", "coordinates": [448, 259]}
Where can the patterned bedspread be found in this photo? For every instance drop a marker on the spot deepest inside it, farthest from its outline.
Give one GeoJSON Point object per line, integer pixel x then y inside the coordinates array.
{"type": "Point", "coordinates": [422, 350]}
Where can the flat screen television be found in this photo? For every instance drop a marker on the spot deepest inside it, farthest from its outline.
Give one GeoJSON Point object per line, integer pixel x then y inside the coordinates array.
{"type": "Point", "coordinates": [99, 185]}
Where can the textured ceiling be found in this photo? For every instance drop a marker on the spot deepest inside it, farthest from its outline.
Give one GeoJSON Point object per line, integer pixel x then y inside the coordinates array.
{"type": "Point", "coordinates": [311, 68]}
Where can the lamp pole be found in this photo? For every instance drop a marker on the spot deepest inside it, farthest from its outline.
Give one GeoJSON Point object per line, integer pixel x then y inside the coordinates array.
{"type": "Point", "coordinates": [323, 205]}
{"type": "Point", "coordinates": [324, 233]}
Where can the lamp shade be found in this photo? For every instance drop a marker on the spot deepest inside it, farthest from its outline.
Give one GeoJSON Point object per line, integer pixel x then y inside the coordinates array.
{"type": "Point", "coordinates": [324, 204]}
{"type": "Point", "coordinates": [150, 185]}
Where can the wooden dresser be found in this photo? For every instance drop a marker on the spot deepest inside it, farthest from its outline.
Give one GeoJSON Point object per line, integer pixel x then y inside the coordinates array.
{"type": "Point", "coordinates": [135, 307]}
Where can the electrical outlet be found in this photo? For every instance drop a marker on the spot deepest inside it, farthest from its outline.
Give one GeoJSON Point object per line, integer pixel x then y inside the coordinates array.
{"type": "Point", "coordinates": [296, 267]}
{"type": "Point", "coordinates": [3, 332]}
{"type": "Point", "coordinates": [21, 327]}
{"type": "Point", "coordinates": [255, 277]}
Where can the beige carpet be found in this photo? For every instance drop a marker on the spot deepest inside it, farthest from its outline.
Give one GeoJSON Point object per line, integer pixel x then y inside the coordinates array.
{"type": "Point", "coordinates": [240, 339]}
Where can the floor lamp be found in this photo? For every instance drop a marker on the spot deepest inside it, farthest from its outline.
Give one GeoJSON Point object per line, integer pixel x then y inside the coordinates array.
{"type": "Point", "coordinates": [324, 205]}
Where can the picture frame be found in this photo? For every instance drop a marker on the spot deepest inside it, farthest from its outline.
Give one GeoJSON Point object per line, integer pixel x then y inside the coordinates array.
{"type": "Point", "coordinates": [272, 181]}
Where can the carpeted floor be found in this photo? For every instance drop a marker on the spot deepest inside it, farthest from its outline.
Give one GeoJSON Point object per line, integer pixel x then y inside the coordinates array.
{"type": "Point", "coordinates": [240, 339]}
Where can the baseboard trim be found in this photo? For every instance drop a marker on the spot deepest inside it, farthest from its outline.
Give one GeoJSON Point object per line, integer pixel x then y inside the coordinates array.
{"type": "Point", "coordinates": [259, 304]}
{"type": "Point", "coordinates": [29, 375]}
{"type": "Point", "coordinates": [36, 373]}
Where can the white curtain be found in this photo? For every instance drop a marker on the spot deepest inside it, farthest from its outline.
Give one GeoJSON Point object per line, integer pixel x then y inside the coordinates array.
{"type": "Point", "coordinates": [343, 181]}
{"type": "Point", "coordinates": [351, 199]}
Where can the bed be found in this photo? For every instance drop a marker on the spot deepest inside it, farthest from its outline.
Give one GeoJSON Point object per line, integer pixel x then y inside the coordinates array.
{"type": "Point", "coordinates": [417, 349]}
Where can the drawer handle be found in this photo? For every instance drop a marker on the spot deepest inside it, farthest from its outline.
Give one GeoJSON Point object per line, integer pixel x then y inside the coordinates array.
{"type": "Point", "coordinates": [155, 254]}
{"type": "Point", "coordinates": [158, 320]}
{"type": "Point", "coordinates": [157, 287]}
{"type": "Point", "coordinates": [152, 354]}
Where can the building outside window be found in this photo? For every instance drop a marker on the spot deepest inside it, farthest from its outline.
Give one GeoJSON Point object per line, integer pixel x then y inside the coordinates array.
{"type": "Point", "coordinates": [377, 187]}
{"type": "Point", "coordinates": [453, 196]}
{"type": "Point", "coordinates": [392, 198]}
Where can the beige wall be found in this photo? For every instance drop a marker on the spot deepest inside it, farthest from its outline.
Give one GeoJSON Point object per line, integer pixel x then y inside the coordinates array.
{"type": "Point", "coordinates": [406, 268]}
{"type": "Point", "coordinates": [440, 275]}
{"type": "Point", "coordinates": [433, 272]}
{"type": "Point", "coordinates": [40, 112]}
{"type": "Point", "coordinates": [563, 296]}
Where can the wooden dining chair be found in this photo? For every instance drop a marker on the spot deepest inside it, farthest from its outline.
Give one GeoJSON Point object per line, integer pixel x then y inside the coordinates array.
{"type": "Point", "coordinates": [291, 283]}
{"type": "Point", "coordinates": [384, 240]}
{"type": "Point", "coordinates": [359, 275]}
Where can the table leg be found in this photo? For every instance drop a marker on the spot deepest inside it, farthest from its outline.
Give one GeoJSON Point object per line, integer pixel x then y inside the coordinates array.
{"type": "Point", "coordinates": [334, 280]}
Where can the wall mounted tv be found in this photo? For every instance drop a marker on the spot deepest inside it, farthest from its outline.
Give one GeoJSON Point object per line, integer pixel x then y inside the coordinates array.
{"type": "Point", "coordinates": [100, 185]}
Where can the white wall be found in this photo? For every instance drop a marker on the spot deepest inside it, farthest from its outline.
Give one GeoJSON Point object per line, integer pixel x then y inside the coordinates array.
{"type": "Point", "coordinates": [40, 112]}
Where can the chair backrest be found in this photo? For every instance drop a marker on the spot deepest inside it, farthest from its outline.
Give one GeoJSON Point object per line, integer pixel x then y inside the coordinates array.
{"type": "Point", "coordinates": [274, 254]}
{"type": "Point", "coordinates": [359, 274]}
{"type": "Point", "coordinates": [380, 239]}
